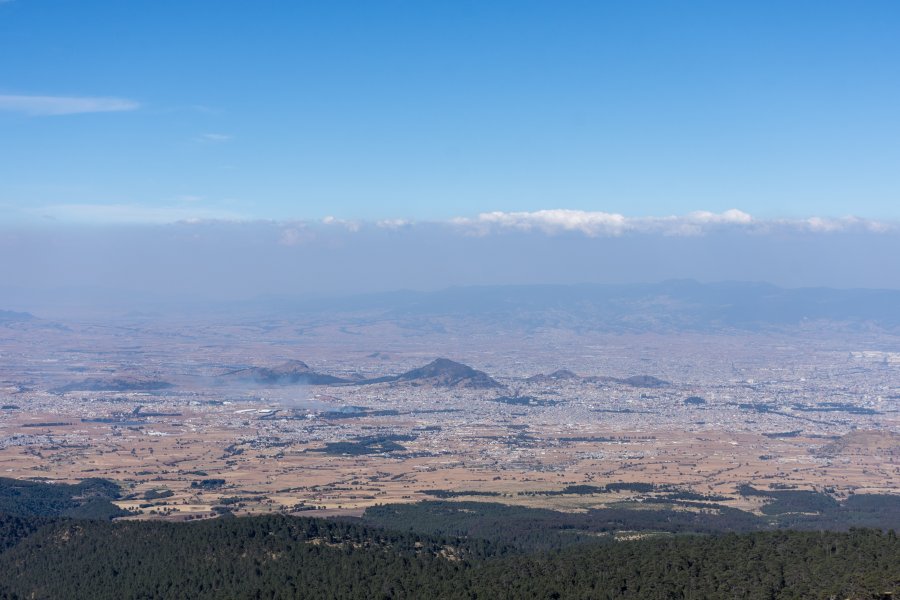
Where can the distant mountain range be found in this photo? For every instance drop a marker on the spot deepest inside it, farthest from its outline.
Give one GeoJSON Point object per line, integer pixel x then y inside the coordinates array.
{"type": "Point", "coordinates": [677, 305]}
{"type": "Point", "coordinates": [442, 372]}
{"type": "Point", "coordinates": [669, 306]}
{"type": "Point", "coordinates": [439, 373]}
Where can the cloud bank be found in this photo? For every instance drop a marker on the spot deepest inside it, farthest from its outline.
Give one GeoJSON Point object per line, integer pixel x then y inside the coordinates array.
{"type": "Point", "coordinates": [596, 223]}
{"type": "Point", "coordinates": [137, 254]}
{"type": "Point", "coordinates": [550, 222]}
{"type": "Point", "coordinates": [600, 224]}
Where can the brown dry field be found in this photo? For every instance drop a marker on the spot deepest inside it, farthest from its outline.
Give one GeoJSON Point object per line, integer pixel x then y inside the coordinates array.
{"type": "Point", "coordinates": [477, 448]}
{"type": "Point", "coordinates": [174, 452]}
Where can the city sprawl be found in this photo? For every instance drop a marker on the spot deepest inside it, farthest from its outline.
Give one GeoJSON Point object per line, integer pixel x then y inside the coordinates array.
{"type": "Point", "coordinates": [191, 417]}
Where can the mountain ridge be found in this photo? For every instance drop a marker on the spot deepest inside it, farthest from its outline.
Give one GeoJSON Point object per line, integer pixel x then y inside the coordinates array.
{"type": "Point", "coordinates": [672, 305]}
{"type": "Point", "coordinates": [290, 372]}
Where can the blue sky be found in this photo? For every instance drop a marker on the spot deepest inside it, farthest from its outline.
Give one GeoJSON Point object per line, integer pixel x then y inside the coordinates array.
{"type": "Point", "coordinates": [167, 110]}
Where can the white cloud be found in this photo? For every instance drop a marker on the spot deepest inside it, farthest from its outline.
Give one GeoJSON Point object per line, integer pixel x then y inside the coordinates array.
{"type": "Point", "coordinates": [553, 221]}
{"type": "Point", "coordinates": [597, 223]}
{"type": "Point", "coordinates": [733, 215]}
{"type": "Point", "coordinates": [352, 226]}
{"type": "Point", "coordinates": [115, 214]}
{"type": "Point", "coordinates": [822, 225]}
{"type": "Point", "coordinates": [39, 106]}
{"type": "Point", "coordinates": [393, 223]}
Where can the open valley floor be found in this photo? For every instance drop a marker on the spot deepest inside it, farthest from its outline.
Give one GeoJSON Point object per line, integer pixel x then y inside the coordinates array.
{"type": "Point", "coordinates": [195, 418]}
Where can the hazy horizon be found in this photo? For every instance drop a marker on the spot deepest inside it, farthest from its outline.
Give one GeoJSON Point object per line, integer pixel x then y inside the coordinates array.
{"type": "Point", "coordinates": [227, 261]}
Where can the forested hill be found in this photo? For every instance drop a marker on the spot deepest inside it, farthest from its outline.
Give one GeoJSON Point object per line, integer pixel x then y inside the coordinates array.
{"type": "Point", "coordinates": [56, 542]}
{"type": "Point", "coordinates": [87, 499]}
{"type": "Point", "coordinates": [293, 557]}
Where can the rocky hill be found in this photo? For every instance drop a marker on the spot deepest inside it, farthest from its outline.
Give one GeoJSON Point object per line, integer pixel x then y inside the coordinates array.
{"type": "Point", "coordinates": [444, 372]}
{"type": "Point", "coordinates": [292, 372]}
